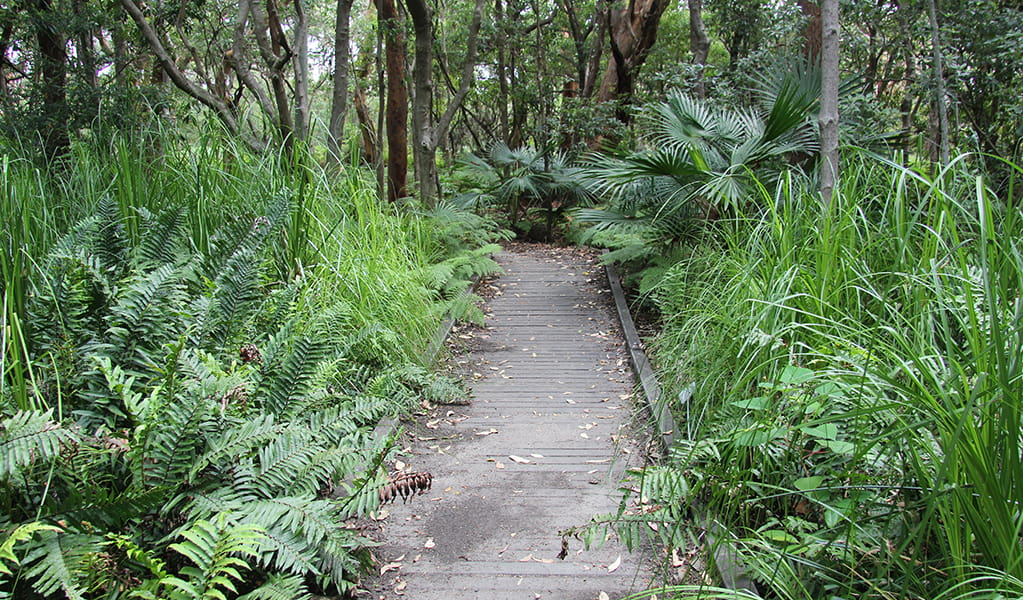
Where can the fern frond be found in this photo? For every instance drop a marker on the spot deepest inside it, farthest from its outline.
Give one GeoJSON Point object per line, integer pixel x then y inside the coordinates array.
{"type": "Point", "coordinates": [21, 533]}
{"type": "Point", "coordinates": [162, 242]}
{"type": "Point", "coordinates": [280, 587]}
{"type": "Point", "coordinates": [285, 379]}
{"type": "Point", "coordinates": [218, 550]}
{"type": "Point", "coordinates": [225, 450]}
{"type": "Point", "coordinates": [235, 291]}
{"type": "Point", "coordinates": [30, 437]}
{"type": "Point", "coordinates": [59, 562]}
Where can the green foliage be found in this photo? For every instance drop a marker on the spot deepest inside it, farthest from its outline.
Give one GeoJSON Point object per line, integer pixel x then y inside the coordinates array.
{"type": "Point", "coordinates": [522, 182]}
{"type": "Point", "coordinates": [184, 413]}
{"type": "Point", "coordinates": [853, 420]}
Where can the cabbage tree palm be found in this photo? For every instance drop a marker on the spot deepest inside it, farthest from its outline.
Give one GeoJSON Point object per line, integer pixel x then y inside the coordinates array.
{"type": "Point", "coordinates": [704, 160]}
{"type": "Point", "coordinates": [520, 179]}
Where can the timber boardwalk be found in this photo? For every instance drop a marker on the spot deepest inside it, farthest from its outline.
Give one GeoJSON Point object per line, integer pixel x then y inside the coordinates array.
{"type": "Point", "coordinates": [541, 448]}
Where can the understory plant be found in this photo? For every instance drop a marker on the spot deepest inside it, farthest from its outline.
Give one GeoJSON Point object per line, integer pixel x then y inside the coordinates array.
{"type": "Point", "coordinates": [190, 385]}
{"type": "Point", "coordinates": [847, 383]}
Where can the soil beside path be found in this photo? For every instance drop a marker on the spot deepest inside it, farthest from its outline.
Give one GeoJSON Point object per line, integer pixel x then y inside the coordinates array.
{"type": "Point", "coordinates": [540, 448]}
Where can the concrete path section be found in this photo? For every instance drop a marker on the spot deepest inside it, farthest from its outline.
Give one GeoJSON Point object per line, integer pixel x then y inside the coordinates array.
{"type": "Point", "coordinates": [540, 448]}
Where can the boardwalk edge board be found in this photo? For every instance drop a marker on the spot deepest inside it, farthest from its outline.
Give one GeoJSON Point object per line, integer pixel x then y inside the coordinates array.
{"type": "Point", "coordinates": [728, 563]}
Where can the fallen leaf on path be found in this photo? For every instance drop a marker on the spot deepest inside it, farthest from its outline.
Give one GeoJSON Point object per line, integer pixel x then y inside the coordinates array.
{"type": "Point", "coordinates": [483, 433]}
{"type": "Point", "coordinates": [603, 596]}
{"type": "Point", "coordinates": [394, 566]}
{"type": "Point", "coordinates": [526, 558]}
{"type": "Point", "coordinates": [499, 465]}
{"type": "Point", "coordinates": [519, 459]}
{"type": "Point", "coordinates": [537, 455]}
{"type": "Point", "coordinates": [611, 568]}
{"type": "Point", "coordinates": [431, 544]}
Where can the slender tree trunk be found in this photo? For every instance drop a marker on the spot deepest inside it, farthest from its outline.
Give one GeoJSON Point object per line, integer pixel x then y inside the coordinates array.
{"type": "Point", "coordinates": [381, 111]}
{"type": "Point", "coordinates": [939, 83]}
{"type": "Point", "coordinates": [699, 44]}
{"type": "Point", "coordinates": [367, 131]}
{"type": "Point", "coordinates": [339, 95]}
{"type": "Point", "coordinates": [300, 62]}
{"type": "Point", "coordinates": [597, 48]}
{"type": "Point", "coordinates": [426, 136]}
{"type": "Point", "coordinates": [829, 99]}
{"type": "Point", "coordinates": [502, 75]}
{"type": "Point", "coordinates": [422, 100]}
{"type": "Point", "coordinates": [397, 101]}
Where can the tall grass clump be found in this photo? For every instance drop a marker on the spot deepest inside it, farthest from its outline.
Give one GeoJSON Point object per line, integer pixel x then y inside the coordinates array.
{"type": "Point", "coordinates": [854, 423]}
{"type": "Point", "coordinates": [196, 349]}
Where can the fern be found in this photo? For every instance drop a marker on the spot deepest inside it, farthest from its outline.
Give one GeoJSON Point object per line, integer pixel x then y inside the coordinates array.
{"type": "Point", "coordinates": [235, 291]}
{"type": "Point", "coordinates": [217, 550]}
{"type": "Point", "coordinates": [162, 243]}
{"type": "Point", "coordinates": [59, 562]}
{"type": "Point", "coordinates": [30, 437]}
{"type": "Point", "coordinates": [21, 533]}
{"type": "Point", "coordinates": [280, 587]}
{"type": "Point", "coordinates": [288, 378]}
{"type": "Point", "coordinates": [236, 442]}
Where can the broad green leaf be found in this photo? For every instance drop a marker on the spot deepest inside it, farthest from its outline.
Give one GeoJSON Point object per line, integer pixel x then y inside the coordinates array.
{"type": "Point", "coordinates": [826, 431]}
{"type": "Point", "coordinates": [758, 403]}
{"type": "Point", "coordinates": [793, 375]}
{"type": "Point", "coordinates": [808, 483]}
{"type": "Point", "coordinates": [839, 447]}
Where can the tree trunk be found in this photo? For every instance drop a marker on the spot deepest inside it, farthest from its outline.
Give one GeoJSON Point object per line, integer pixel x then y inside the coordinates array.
{"type": "Point", "coordinates": [301, 65]}
{"type": "Point", "coordinates": [813, 35]}
{"type": "Point", "coordinates": [426, 136]}
{"type": "Point", "coordinates": [339, 96]}
{"type": "Point", "coordinates": [632, 33]}
{"type": "Point", "coordinates": [597, 48]}
{"type": "Point", "coordinates": [422, 100]}
{"type": "Point", "coordinates": [367, 130]}
{"type": "Point", "coordinates": [939, 83]}
{"type": "Point", "coordinates": [699, 44]}
{"type": "Point", "coordinates": [53, 81]}
{"type": "Point", "coordinates": [502, 76]}
{"type": "Point", "coordinates": [397, 101]}
{"type": "Point", "coordinates": [829, 99]}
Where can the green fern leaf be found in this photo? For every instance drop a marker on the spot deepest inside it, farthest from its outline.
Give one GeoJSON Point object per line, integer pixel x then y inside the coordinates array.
{"type": "Point", "coordinates": [59, 562]}
{"type": "Point", "coordinates": [30, 437]}
{"type": "Point", "coordinates": [218, 550]}
{"type": "Point", "coordinates": [21, 533]}
{"type": "Point", "coordinates": [280, 587]}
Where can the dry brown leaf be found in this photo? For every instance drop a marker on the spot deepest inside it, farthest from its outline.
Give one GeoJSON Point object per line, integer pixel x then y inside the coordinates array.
{"type": "Point", "coordinates": [676, 560]}
{"type": "Point", "coordinates": [392, 566]}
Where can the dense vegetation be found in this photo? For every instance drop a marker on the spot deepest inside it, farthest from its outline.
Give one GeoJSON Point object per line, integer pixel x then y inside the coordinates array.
{"type": "Point", "coordinates": [202, 324]}
{"type": "Point", "coordinates": [197, 349]}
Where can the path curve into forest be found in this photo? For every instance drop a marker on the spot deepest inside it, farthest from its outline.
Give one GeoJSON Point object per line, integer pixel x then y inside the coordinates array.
{"type": "Point", "coordinates": [540, 448]}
